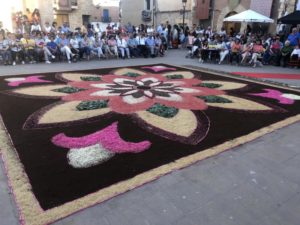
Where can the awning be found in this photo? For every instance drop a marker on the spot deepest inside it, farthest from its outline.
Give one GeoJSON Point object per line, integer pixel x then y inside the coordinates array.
{"type": "Point", "coordinates": [249, 16]}
{"type": "Point", "coordinates": [293, 18]}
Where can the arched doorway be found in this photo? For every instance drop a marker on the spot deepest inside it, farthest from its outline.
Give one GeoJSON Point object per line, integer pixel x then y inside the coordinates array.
{"type": "Point", "coordinates": [228, 25]}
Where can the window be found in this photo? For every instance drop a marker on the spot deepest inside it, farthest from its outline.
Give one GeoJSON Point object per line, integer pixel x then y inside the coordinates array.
{"type": "Point", "coordinates": [148, 7]}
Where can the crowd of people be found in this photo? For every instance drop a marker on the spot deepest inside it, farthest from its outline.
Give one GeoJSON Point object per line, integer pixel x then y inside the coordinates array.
{"type": "Point", "coordinates": [254, 49]}
{"type": "Point", "coordinates": [35, 42]}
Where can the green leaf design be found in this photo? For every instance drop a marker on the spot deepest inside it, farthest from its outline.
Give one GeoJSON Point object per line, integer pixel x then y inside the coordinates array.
{"type": "Point", "coordinates": [210, 85]}
{"type": "Point", "coordinates": [91, 78]}
{"type": "Point", "coordinates": [91, 105]}
{"type": "Point", "coordinates": [68, 90]}
{"type": "Point", "coordinates": [175, 76]}
{"type": "Point", "coordinates": [131, 74]}
{"type": "Point", "coordinates": [215, 99]}
{"type": "Point", "coordinates": [163, 111]}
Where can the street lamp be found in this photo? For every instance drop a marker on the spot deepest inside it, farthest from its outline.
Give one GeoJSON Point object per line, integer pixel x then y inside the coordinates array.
{"type": "Point", "coordinates": [184, 5]}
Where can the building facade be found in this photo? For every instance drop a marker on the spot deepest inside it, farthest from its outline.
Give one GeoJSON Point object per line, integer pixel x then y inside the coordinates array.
{"type": "Point", "coordinates": [75, 12]}
{"type": "Point", "coordinates": [213, 12]}
{"type": "Point", "coordinates": [154, 12]}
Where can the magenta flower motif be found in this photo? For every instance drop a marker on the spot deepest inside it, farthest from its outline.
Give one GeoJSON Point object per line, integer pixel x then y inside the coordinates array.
{"type": "Point", "coordinates": [16, 81]}
{"type": "Point", "coordinates": [285, 99]}
{"type": "Point", "coordinates": [98, 147]}
{"type": "Point", "coordinates": [129, 95]}
{"type": "Point", "coordinates": [159, 68]}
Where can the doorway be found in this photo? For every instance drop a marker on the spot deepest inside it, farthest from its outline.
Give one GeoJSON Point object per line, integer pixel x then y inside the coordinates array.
{"type": "Point", "coordinates": [228, 25]}
{"type": "Point", "coordinates": [86, 20]}
{"type": "Point", "coordinates": [61, 18]}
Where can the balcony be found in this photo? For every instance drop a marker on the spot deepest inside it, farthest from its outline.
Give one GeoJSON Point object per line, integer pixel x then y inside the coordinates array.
{"type": "Point", "coordinates": [65, 5]}
{"type": "Point", "coordinates": [105, 19]}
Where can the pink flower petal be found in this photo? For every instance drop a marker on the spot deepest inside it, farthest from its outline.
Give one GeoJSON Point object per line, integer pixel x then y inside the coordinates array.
{"type": "Point", "coordinates": [109, 138]}
{"type": "Point", "coordinates": [118, 105]}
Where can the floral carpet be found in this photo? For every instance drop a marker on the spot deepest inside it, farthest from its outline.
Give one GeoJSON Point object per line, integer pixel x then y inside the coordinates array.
{"type": "Point", "coordinates": [74, 139]}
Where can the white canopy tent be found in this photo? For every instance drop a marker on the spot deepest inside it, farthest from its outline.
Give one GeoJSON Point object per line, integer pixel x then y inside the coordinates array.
{"type": "Point", "coordinates": [249, 16]}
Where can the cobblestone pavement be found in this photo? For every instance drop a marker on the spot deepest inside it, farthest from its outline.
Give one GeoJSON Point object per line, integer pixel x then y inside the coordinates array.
{"type": "Point", "coordinates": [257, 183]}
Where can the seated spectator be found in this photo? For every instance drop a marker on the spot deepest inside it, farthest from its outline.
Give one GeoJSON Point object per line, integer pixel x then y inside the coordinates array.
{"type": "Point", "coordinates": [142, 44]}
{"type": "Point", "coordinates": [29, 48]}
{"type": "Point", "coordinates": [133, 45]}
{"type": "Point", "coordinates": [295, 56]}
{"type": "Point", "coordinates": [236, 49]}
{"type": "Point", "coordinates": [86, 45]}
{"type": "Point", "coordinates": [76, 44]}
{"type": "Point", "coordinates": [273, 52]}
{"type": "Point", "coordinates": [123, 47]}
{"type": "Point", "coordinates": [285, 55]}
{"type": "Point", "coordinates": [150, 44]}
{"type": "Point", "coordinates": [224, 50]}
{"type": "Point", "coordinates": [112, 45]}
{"type": "Point", "coordinates": [16, 48]}
{"type": "Point", "coordinates": [41, 48]}
{"type": "Point", "coordinates": [65, 47]}
{"type": "Point", "coordinates": [4, 49]}
{"type": "Point", "coordinates": [246, 52]}
{"type": "Point", "coordinates": [257, 52]}
{"type": "Point", "coordinates": [196, 46]}
{"type": "Point", "coordinates": [159, 47]}
{"type": "Point", "coordinates": [96, 45]}
{"type": "Point", "coordinates": [52, 46]}
{"type": "Point", "coordinates": [48, 28]}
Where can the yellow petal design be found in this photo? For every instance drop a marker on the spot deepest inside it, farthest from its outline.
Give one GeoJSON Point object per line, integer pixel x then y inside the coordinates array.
{"type": "Point", "coordinates": [185, 74]}
{"type": "Point", "coordinates": [226, 85]}
{"type": "Point", "coordinates": [66, 112]}
{"type": "Point", "coordinates": [125, 71]}
{"type": "Point", "coordinates": [183, 124]}
{"type": "Point", "coordinates": [240, 104]}
{"type": "Point", "coordinates": [75, 76]}
{"type": "Point", "coordinates": [41, 91]}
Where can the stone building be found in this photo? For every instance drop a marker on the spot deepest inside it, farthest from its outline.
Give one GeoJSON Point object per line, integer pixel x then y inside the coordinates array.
{"type": "Point", "coordinates": [213, 12]}
{"type": "Point", "coordinates": [154, 12]}
{"type": "Point", "coordinates": [76, 12]}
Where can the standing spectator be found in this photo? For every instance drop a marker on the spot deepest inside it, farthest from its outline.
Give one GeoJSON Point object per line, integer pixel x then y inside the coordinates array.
{"type": "Point", "coordinates": [36, 27]}
{"type": "Point", "coordinates": [36, 16]}
{"type": "Point", "coordinates": [65, 28]}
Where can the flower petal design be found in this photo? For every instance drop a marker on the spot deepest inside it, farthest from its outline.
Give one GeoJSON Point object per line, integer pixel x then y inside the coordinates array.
{"type": "Point", "coordinates": [16, 81]}
{"type": "Point", "coordinates": [291, 96]}
{"type": "Point", "coordinates": [125, 71]}
{"type": "Point", "coordinates": [45, 91]}
{"type": "Point", "coordinates": [109, 138]}
{"type": "Point", "coordinates": [185, 127]}
{"type": "Point", "coordinates": [275, 94]}
{"type": "Point", "coordinates": [226, 85]}
{"type": "Point", "coordinates": [240, 104]}
{"type": "Point", "coordinates": [158, 68]}
{"type": "Point", "coordinates": [88, 156]}
{"type": "Point", "coordinates": [66, 77]}
{"type": "Point", "coordinates": [185, 74]}
{"type": "Point", "coordinates": [63, 113]}
{"type": "Point", "coordinates": [129, 104]}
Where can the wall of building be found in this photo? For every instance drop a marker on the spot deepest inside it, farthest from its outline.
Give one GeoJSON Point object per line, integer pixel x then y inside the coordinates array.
{"type": "Point", "coordinates": [131, 11]}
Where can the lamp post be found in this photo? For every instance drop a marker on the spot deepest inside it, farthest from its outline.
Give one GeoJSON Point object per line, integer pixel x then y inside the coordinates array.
{"type": "Point", "coordinates": [184, 5]}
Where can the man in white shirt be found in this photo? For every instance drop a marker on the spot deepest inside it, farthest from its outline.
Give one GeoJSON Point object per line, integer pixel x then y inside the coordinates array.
{"type": "Point", "coordinates": [123, 47]}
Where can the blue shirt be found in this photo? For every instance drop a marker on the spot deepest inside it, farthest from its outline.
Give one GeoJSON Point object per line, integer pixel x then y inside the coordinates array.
{"type": "Point", "coordinates": [52, 44]}
{"type": "Point", "coordinates": [150, 41]}
{"type": "Point", "coordinates": [294, 39]}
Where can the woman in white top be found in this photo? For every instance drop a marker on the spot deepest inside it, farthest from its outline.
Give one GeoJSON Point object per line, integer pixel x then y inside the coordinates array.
{"type": "Point", "coordinates": [123, 47]}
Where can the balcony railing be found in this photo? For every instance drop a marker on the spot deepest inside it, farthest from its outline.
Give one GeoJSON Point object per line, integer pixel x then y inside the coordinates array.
{"type": "Point", "coordinates": [106, 19]}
